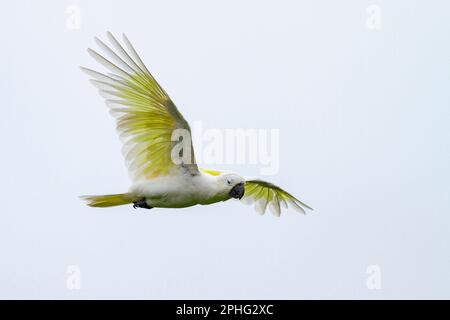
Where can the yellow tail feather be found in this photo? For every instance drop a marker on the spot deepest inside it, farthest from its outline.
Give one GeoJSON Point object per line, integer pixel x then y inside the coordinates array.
{"type": "Point", "coordinates": [108, 200]}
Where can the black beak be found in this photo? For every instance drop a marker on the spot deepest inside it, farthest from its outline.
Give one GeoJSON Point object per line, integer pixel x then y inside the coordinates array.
{"type": "Point", "coordinates": [238, 191]}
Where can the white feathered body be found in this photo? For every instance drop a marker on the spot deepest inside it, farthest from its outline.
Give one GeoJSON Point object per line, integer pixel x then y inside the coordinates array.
{"type": "Point", "coordinates": [179, 191]}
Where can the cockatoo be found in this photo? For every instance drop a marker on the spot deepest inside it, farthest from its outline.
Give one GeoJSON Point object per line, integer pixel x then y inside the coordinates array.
{"type": "Point", "coordinates": [146, 120]}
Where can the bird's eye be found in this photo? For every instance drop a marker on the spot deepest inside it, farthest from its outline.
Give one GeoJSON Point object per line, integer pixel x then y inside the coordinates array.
{"type": "Point", "coordinates": [229, 182]}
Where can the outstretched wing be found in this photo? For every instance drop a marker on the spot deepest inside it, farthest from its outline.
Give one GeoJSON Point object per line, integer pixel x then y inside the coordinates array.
{"type": "Point", "coordinates": [146, 117]}
{"type": "Point", "coordinates": [265, 194]}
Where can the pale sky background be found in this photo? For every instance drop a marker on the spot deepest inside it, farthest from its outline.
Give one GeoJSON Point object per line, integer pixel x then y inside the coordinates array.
{"type": "Point", "coordinates": [364, 128]}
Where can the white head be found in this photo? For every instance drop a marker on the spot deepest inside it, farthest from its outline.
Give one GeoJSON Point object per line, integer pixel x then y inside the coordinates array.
{"type": "Point", "coordinates": [231, 185]}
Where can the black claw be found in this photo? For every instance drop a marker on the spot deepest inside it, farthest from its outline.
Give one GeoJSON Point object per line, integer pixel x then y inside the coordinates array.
{"type": "Point", "coordinates": [141, 204]}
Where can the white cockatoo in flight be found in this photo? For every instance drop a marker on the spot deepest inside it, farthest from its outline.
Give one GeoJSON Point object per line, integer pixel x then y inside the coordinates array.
{"type": "Point", "coordinates": [164, 174]}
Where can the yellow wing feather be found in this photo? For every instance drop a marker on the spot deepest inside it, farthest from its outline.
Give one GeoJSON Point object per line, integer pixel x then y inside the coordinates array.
{"type": "Point", "coordinates": [146, 116]}
{"type": "Point", "coordinates": [265, 194]}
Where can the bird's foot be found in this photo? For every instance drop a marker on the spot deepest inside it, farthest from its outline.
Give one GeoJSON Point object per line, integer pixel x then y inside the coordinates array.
{"type": "Point", "coordinates": [141, 204]}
